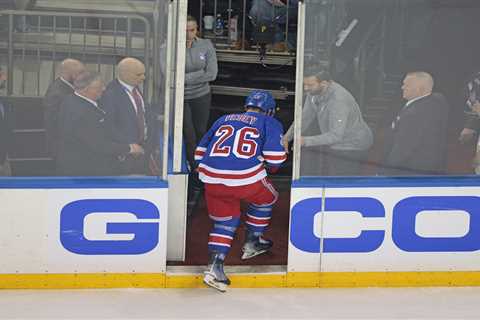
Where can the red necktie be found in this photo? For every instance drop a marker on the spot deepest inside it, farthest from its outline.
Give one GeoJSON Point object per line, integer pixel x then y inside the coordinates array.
{"type": "Point", "coordinates": [140, 114]}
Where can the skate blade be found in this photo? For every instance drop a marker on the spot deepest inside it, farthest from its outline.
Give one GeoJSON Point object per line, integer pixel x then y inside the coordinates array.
{"type": "Point", "coordinates": [250, 254]}
{"type": "Point", "coordinates": [210, 281]}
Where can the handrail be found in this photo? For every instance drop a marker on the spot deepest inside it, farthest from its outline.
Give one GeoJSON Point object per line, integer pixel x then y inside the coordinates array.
{"type": "Point", "coordinates": [121, 6]}
{"type": "Point", "coordinates": [73, 14]}
{"type": "Point", "coordinates": [77, 40]}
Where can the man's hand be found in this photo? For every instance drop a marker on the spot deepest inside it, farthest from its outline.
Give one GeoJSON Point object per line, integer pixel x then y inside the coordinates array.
{"type": "Point", "coordinates": [136, 150]}
{"type": "Point", "coordinates": [466, 135]}
{"type": "Point", "coordinates": [285, 143]}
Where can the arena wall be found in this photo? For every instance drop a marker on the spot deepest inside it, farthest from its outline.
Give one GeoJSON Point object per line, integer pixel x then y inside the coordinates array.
{"type": "Point", "coordinates": [105, 233]}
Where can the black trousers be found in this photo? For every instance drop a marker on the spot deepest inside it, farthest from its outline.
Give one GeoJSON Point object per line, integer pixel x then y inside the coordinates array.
{"type": "Point", "coordinates": [195, 119]}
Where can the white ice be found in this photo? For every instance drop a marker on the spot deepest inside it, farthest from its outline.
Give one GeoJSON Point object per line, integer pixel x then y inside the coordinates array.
{"type": "Point", "coordinates": [365, 303]}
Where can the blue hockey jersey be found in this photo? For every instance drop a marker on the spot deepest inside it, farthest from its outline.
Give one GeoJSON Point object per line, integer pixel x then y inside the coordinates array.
{"type": "Point", "coordinates": [237, 147]}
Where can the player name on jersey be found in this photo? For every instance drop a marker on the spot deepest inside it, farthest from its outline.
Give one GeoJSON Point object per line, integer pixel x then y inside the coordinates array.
{"type": "Point", "coordinates": [245, 118]}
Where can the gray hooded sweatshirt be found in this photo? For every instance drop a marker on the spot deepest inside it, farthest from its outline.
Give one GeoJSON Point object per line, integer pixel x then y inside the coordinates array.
{"type": "Point", "coordinates": [200, 68]}
{"type": "Point", "coordinates": [339, 119]}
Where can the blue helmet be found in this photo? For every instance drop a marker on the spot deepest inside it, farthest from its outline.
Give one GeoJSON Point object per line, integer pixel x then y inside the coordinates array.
{"type": "Point", "coordinates": [261, 99]}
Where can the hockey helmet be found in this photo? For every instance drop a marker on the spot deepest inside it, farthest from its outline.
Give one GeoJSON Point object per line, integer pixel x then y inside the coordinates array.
{"type": "Point", "coordinates": [261, 99]}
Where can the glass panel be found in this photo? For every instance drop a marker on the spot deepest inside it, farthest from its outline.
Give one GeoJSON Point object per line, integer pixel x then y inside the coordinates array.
{"type": "Point", "coordinates": [160, 88]}
{"type": "Point", "coordinates": [75, 107]}
{"type": "Point", "coordinates": [385, 86]}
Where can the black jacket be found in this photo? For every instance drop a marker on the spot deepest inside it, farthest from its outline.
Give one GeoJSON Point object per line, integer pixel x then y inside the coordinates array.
{"type": "Point", "coordinates": [86, 147]}
{"type": "Point", "coordinates": [122, 118]}
{"type": "Point", "coordinates": [56, 93]}
{"type": "Point", "coordinates": [418, 138]}
{"type": "Point", "coordinates": [123, 125]}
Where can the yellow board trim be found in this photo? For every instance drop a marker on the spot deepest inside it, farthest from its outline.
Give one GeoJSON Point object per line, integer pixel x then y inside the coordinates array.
{"type": "Point", "coordinates": [383, 279]}
{"type": "Point", "coordinates": [82, 281]}
{"type": "Point", "coordinates": [238, 281]}
{"type": "Point", "coordinates": [287, 280]}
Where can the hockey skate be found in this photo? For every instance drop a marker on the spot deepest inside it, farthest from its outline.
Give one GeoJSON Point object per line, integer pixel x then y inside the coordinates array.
{"type": "Point", "coordinates": [255, 246]}
{"type": "Point", "coordinates": [215, 276]}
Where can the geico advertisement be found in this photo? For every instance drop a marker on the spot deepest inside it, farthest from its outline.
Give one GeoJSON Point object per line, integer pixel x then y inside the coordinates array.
{"type": "Point", "coordinates": [86, 230]}
{"type": "Point", "coordinates": [385, 229]}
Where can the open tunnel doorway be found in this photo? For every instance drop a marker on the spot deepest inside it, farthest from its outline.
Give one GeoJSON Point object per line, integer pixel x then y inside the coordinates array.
{"type": "Point", "coordinates": [243, 66]}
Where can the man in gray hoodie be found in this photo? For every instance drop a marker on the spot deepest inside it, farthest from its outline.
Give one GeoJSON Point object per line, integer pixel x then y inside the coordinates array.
{"type": "Point", "coordinates": [334, 134]}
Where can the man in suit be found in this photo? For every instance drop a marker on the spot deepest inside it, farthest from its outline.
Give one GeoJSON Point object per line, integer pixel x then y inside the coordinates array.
{"type": "Point", "coordinates": [472, 121]}
{"type": "Point", "coordinates": [418, 137]}
{"type": "Point", "coordinates": [56, 93]}
{"type": "Point", "coordinates": [127, 112]}
{"type": "Point", "coordinates": [86, 147]}
{"type": "Point", "coordinates": [472, 117]}
{"type": "Point", "coordinates": [5, 131]}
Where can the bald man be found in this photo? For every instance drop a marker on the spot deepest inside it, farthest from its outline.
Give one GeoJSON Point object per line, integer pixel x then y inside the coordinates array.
{"type": "Point", "coordinates": [127, 110]}
{"type": "Point", "coordinates": [417, 143]}
{"type": "Point", "coordinates": [58, 90]}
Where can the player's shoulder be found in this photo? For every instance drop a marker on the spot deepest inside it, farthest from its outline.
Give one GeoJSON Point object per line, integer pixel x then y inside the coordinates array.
{"type": "Point", "coordinates": [219, 121]}
{"type": "Point", "coordinates": [273, 123]}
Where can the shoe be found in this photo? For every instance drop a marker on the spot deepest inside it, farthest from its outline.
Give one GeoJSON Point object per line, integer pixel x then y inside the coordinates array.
{"type": "Point", "coordinates": [255, 247]}
{"type": "Point", "coordinates": [215, 276]}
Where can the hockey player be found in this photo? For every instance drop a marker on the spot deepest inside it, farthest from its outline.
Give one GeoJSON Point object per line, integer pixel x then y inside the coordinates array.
{"type": "Point", "coordinates": [234, 157]}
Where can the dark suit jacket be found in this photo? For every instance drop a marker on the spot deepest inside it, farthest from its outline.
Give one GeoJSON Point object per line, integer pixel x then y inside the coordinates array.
{"type": "Point", "coordinates": [418, 138]}
{"type": "Point", "coordinates": [123, 125]}
{"type": "Point", "coordinates": [6, 132]}
{"type": "Point", "coordinates": [86, 148]}
{"type": "Point", "coordinates": [56, 93]}
{"type": "Point", "coordinates": [121, 113]}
